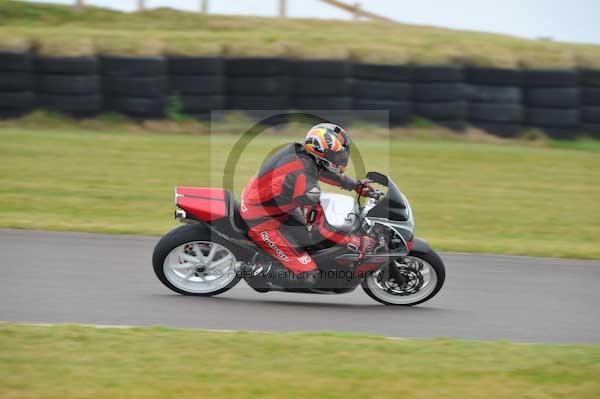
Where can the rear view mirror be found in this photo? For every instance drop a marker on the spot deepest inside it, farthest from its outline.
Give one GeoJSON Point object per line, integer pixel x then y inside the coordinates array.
{"type": "Point", "coordinates": [378, 178]}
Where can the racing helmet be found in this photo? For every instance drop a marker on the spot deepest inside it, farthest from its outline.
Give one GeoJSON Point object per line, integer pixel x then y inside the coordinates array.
{"type": "Point", "coordinates": [329, 145]}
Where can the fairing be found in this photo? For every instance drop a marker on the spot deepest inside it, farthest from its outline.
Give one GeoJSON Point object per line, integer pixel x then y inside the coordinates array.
{"type": "Point", "coordinates": [394, 209]}
{"type": "Point", "coordinates": [393, 206]}
{"type": "Point", "coordinates": [205, 204]}
{"type": "Point", "coordinates": [341, 211]}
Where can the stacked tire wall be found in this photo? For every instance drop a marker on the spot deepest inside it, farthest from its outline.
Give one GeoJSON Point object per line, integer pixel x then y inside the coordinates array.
{"type": "Point", "coordinates": [199, 83]}
{"type": "Point", "coordinates": [440, 95]}
{"type": "Point", "coordinates": [589, 81]}
{"type": "Point", "coordinates": [70, 85]}
{"type": "Point", "coordinates": [505, 102]}
{"type": "Point", "coordinates": [322, 85]}
{"type": "Point", "coordinates": [387, 87]}
{"type": "Point", "coordinates": [17, 82]}
{"type": "Point", "coordinates": [258, 84]}
{"type": "Point", "coordinates": [495, 100]}
{"type": "Point", "coordinates": [135, 86]}
{"type": "Point", "coordinates": [552, 101]}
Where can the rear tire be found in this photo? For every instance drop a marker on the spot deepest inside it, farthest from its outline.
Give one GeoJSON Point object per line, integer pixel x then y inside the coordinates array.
{"type": "Point", "coordinates": [176, 238]}
{"type": "Point", "coordinates": [437, 267]}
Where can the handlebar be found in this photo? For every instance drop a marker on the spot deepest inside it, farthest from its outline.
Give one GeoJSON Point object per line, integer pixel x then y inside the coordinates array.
{"type": "Point", "coordinates": [376, 194]}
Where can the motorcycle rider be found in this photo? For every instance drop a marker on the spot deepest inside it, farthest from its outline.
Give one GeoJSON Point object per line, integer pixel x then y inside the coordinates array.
{"type": "Point", "coordinates": [290, 180]}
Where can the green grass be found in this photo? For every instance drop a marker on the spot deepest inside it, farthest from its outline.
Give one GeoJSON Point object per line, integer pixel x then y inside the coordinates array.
{"type": "Point", "coordinates": [581, 144]}
{"type": "Point", "coordinates": [56, 30]}
{"type": "Point", "coordinates": [508, 198]}
{"type": "Point", "coordinates": [84, 362]}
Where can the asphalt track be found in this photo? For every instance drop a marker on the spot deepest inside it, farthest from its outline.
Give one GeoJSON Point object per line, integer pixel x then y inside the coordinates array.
{"type": "Point", "coordinates": [108, 280]}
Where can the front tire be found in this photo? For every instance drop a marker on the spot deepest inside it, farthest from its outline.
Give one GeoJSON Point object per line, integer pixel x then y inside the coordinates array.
{"type": "Point", "coordinates": [190, 261]}
{"type": "Point", "coordinates": [425, 274]}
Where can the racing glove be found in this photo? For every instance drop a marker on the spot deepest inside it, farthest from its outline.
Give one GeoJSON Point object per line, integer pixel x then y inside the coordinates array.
{"type": "Point", "coordinates": [364, 187]}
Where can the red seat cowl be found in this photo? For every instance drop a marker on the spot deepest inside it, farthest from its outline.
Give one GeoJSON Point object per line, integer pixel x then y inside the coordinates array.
{"type": "Point", "coordinates": [203, 203]}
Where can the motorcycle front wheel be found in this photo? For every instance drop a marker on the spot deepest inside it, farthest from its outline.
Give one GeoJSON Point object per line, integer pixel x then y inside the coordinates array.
{"type": "Point", "coordinates": [424, 274]}
{"type": "Point", "coordinates": [189, 261]}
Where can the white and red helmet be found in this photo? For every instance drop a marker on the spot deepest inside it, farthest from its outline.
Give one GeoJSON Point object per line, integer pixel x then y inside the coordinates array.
{"type": "Point", "coordinates": [329, 144]}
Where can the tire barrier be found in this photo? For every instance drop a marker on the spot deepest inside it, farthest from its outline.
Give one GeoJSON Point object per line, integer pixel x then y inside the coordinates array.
{"type": "Point", "coordinates": [552, 101]}
{"type": "Point", "coordinates": [257, 84]}
{"type": "Point", "coordinates": [69, 85]}
{"type": "Point", "coordinates": [199, 82]}
{"type": "Point", "coordinates": [589, 81]}
{"type": "Point", "coordinates": [17, 84]}
{"type": "Point", "coordinates": [135, 86]}
{"type": "Point", "coordinates": [322, 85]}
{"type": "Point", "coordinates": [440, 95]}
{"type": "Point", "coordinates": [495, 100]}
{"type": "Point", "coordinates": [384, 87]}
{"type": "Point", "coordinates": [563, 103]}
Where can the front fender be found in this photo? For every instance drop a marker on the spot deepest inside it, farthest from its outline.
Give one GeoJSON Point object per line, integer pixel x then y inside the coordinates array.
{"type": "Point", "coordinates": [420, 245]}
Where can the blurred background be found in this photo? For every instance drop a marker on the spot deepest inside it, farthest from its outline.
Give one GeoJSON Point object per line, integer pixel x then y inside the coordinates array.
{"type": "Point", "coordinates": [485, 113]}
{"type": "Point", "coordinates": [473, 117]}
{"type": "Point", "coordinates": [575, 21]}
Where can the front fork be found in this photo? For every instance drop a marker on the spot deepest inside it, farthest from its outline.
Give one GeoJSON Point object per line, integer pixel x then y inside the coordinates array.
{"type": "Point", "coordinates": [392, 272]}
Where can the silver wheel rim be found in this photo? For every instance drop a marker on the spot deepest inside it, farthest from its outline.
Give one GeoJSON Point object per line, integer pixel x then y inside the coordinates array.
{"type": "Point", "coordinates": [200, 267]}
{"type": "Point", "coordinates": [422, 279]}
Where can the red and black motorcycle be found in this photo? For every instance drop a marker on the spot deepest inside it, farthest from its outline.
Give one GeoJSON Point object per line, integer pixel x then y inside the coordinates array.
{"type": "Point", "coordinates": [211, 253]}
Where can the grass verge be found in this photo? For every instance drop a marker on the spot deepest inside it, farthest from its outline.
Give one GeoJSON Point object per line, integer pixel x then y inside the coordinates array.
{"type": "Point", "coordinates": [499, 197]}
{"type": "Point", "coordinates": [64, 30]}
{"type": "Point", "coordinates": [86, 362]}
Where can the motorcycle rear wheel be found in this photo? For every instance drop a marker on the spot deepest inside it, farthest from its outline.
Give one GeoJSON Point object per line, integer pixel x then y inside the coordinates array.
{"type": "Point", "coordinates": [190, 261]}
{"type": "Point", "coordinates": [425, 274]}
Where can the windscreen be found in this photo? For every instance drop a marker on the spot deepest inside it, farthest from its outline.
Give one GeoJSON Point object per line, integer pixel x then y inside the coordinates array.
{"type": "Point", "coordinates": [392, 206]}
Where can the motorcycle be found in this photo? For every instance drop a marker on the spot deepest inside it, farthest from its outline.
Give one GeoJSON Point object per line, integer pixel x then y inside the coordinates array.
{"type": "Point", "coordinates": [209, 253]}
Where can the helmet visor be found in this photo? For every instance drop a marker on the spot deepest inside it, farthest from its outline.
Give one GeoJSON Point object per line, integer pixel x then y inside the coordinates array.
{"type": "Point", "coordinates": [339, 158]}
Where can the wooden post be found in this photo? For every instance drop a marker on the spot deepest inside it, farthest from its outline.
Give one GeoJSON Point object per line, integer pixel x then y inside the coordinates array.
{"type": "Point", "coordinates": [282, 8]}
{"type": "Point", "coordinates": [204, 7]}
{"type": "Point", "coordinates": [356, 13]}
{"type": "Point", "coordinates": [353, 9]}
{"type": "Point", "coordinates": [141, 5]}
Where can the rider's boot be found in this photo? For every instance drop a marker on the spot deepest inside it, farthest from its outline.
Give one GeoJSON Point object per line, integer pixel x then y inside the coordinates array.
{"type": "Point", "coordinates": [304, 280]}
{"type": "Point", "coordinates": [257, 273]}
{"type": "Point", "coordinates": [264, 274]}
